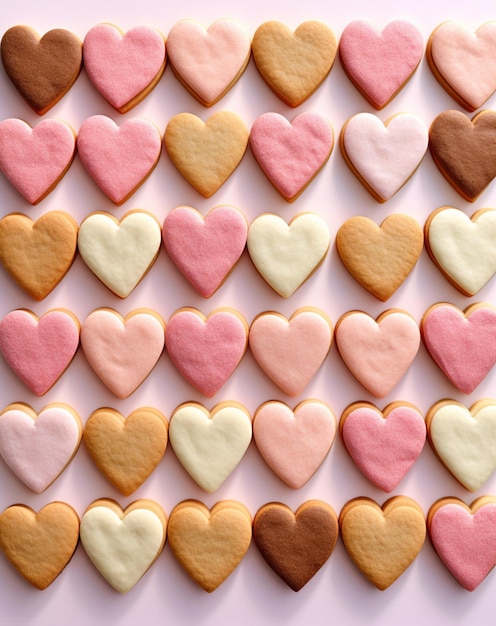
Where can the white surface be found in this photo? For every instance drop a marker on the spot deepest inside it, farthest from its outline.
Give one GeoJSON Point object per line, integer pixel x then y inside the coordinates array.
{"type": "Point", "coordinates": [253, 594]}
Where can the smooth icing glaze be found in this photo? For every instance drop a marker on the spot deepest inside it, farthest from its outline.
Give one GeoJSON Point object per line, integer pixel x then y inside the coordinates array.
{"type": "Point", "coordinates": [205, 250]}
{"type": "Point", "coordinates": [34, 159]}
{"type": "Point", "coordinates": [119, 253]}
{"type": "Point", "coordinates": [287, 254]}
{"type": "Point", "coordinates": [291, 153]}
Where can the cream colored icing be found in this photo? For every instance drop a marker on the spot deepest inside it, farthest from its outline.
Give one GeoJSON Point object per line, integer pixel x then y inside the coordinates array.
{"type": "Point", "coordinates": [286, 254]}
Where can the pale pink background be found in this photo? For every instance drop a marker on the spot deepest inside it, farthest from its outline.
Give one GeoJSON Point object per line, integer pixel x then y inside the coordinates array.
{"type": "Point", "coordinates": [253, 594]}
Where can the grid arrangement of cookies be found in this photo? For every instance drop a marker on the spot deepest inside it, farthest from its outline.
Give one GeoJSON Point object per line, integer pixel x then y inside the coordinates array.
{"type": "Point", "coordinates": [382, 541]}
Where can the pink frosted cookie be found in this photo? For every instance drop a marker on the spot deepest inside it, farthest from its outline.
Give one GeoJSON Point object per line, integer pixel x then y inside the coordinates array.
{"type": "Point", "coordinates": [35, 159]}
{"type": "Point", "coordinates": [205, 249]}
{"type": "Point", "coordinates": [380, 62]}
{"type": "Point", "coordinates": [208, 61]}
{"type": "Point", "coordinates": [378, 352]}
{"type": "Point", "coordinates": [124, 67]}
{"type": "Point", "coordinates": [122, 351]}
{"type": "Point", "coordinates": [294, 442]}
{"type": "Point", "coordinates": [118, 158]}
{"type": "Point", "coordinates": [38, 447]}
{"type": "Point", "coordinates": [464, 62]}
{"type": "Point", "coordinates": [290, 351]}
{"type": "Point", "coordinates": [39, 350]}
{"type": "Point", "coordinates": [464, 537]}
{"type": "Point", "coordinates": [206, 349]}
{"type": "Point", "coordinates": [384, 155]}
{"type": "Point", "coordinates": [383, 444]}
{"type": "Point", "coordinates": [291, 153]}
{"type": "Point", "coordinates": [461, 343]}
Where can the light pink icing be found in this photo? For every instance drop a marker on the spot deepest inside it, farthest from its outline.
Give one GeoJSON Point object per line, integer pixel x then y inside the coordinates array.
{"type": "Point", "coordinates": [384, 448]}
{"type": "Point", "coordinates": [294, 443]}
{"type": "Point", "coordinates": [208, 60]}
{"type": "Point", "coordinates": [465, 542]}
{"type": "Point", "coordinates": [206, 351]}
{"type": "Point", "coordinates": [205, 249]}
{"type": "Point", "coordinates": [463, 347]}
{"type": "Point", "coordinates": [378, 354]}
{"type": "Point", "coordinates": [380, 62]}
{"type": "Point", "coordinates": [122, 65]}
{"type": "Point", "coordinates": [37, 450]}
{"type": "Point", "coordinates": [290, 351]}
{"type": "Point", "coordinates": [118, 158]}
{"type": "Point", "coordinates": [122, 352]}
{"type": "Point", "coordinates": [34, 159]}
{"type": "Point", "coordinates": [291, 153]}
{"type": "Point", "coordinates": [38, 351]}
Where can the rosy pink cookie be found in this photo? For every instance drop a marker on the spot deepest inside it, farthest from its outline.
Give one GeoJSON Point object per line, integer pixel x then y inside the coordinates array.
{"type": "Point", "coordinates": [461, 343]}
{"type": "Point", "coordinates": [35, 159]}
{"type": "Point", "coordinates": [206, 350]}
{"type": "Point", "coordinates": [123, 350]}
{"type": "Point", "coordinates": [384, 155]}
{"type": "Point", "coordinates": [290, 351]}
{"type": "Point", "coordinates": [38, 447]}
{"type": "Point", "coordinates": [380, 63]}
{"type": "Point", "coordinates": [118, 158]}
{"type": "Point", "coordinates": [464, 537]}
{"type": "Point", "coordinates": [208, 61]}
{"type": "Point", "coordinates": [39, 350]}
{"type": "Point", "coordinates": [464, 62]}
{"type": "Point", "coordinates": [291, 153]}
{"type": "Point", "coordinates": [383, 444]}
{"type": "Point", "coordinates": [205, 249]}
{"type": "Point", "coordinates": [378, 352]}
{"type": "Point", "coordinates": [124, 67]}
{"type": "Point", "coordinates": [294, 442]}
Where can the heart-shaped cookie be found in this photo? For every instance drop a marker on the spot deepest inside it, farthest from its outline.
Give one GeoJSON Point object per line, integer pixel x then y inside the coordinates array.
{"type": "Point", "coordinates": [120, 252]}
{"type": "Point", "coordinates": [464, 439]}
{"type": "Point", "coordinates": [463, 150]}
{"type": "Point", "coordinates": [290, 351]}
{"type": "Point", "coordinates": [382, 541]}
{"type": "Point", "coordinates": [35, 159]}
{"type": "Point", "coordinates": [210, 444]}
{"type": "Point", "coordinates": [119, 158]}
{"type": "Point", "coordinates": [378, 352]}
{"type": "Point", "coordinates": [294, 64]}
{"type": "Point", "coordinates": [291, 153]}
{"type": "Point", "coordinates": [384, 155]}
{"type": "Point", "coordinates": [380, 62]}
{"type": "Point", "coordinates": [124, 66]}
{"type": "Point", "coordinates": [462, 247]}
{"type": "Point", "coordinates": [461, 343]}
{"type": "Point", "coordinates": [41, 69]}
{"type": "Point", "coordinates": [122, 351]}
{"type": "Point", "coordinates": [383, 444]}
{"type": "Point", "coordinates": [294, 442]}
{"type": "Point", "coordinates": [206, 349]}
{"type": "Point", "coordinates": [209, 544]}
{"type": "Point", "coordinates": [38, 446]}
{"type": "Point", "coordinates": [286, 255]}
{"type": "Point", "coordinates": [126, 450]}
{"type": "Point", "coordinates": [381, 257]}
{"type": "Point", "coordinates": [296, 545]}
{"type": "Point", "coordinates": [205, 249]}
{"type": "Point", "coordinates": [464, 537]}
{"type": "Point", "coordinates": [39, 349]}
{"type": "Point", "coordinates": [208, 61]}
{"type": "Point", "coordinates": [39, 544]}
{"type": "Point", "coordinates": [38, 253]}
{"type": "Point", "coordinates": [123, 544]}
{"type": "Point", "coordinates": [464, 62]}
{"type": "Point", "coordinates": [206, 153]}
